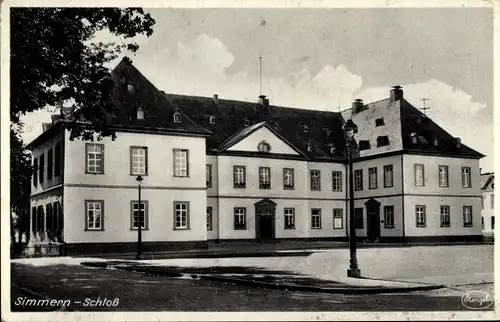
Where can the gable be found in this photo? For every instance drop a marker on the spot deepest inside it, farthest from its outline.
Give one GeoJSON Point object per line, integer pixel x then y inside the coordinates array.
{"type": "Point", "coordinates": [251, 143]}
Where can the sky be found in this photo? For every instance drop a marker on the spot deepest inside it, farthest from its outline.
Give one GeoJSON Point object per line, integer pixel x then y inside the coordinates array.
{"type": "Point", "coordinates": [324, 58]}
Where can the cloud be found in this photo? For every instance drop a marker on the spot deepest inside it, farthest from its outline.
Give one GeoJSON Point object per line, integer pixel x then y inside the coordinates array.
{"type": "Point", "coordinates": [199, 66]}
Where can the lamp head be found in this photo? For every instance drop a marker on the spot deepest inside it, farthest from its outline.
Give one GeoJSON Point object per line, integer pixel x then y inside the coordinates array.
{"type": "Point", "coordinates": [139, 179]}
{"type": "Point", "coordinates": [349, 128]}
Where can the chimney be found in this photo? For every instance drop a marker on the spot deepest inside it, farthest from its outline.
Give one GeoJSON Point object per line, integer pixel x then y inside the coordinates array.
{"type": "Point", "coordinates": [396, 93]}
{"type": "Point", "coordinates": [216, 99]}
{"type": "Point", "coordinates": [45, 126]}
{"type": "Point", "coordinates": [263, 100]}
{"type": "Point", "coordinates": [357, 105]}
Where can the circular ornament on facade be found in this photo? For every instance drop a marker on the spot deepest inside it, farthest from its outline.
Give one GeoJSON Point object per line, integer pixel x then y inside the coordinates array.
{"type": "Point", "coordinates": [264, 147]}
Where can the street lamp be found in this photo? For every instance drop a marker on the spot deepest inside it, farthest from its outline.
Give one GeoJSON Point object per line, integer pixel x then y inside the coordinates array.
{"type": "Point", "coordinates": [139, 223]}
{"type": "Point", "coordinates": [353, 271]}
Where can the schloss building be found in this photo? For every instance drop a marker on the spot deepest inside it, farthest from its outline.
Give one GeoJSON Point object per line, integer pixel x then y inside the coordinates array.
{"type": "Point", "coordinates": [218, 169]}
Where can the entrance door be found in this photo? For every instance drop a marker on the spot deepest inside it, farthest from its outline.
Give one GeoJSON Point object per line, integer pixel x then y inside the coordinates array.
{"type": "Point", "coordinates": [372, 220]}
{"type": "Point", "coordinates": [264, 229]}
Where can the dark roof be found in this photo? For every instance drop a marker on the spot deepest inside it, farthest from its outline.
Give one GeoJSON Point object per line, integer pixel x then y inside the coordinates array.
{"type": "Point", "coordinates": [287, 122]}
{"type": "Point", "coordinates": [415, 123]}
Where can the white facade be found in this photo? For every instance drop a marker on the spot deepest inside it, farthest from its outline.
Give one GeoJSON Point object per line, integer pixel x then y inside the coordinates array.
{"type": "Point", "coordinates": [488, 204]}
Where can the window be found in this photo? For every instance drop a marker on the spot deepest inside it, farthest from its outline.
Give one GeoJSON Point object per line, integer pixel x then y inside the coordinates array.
{"type": "Point", "coordinates": [492, 222]}
{"type": "Point", "coordinates": [177, 117]}
{"type": "Point", "coordinates": [358, 218]}
{"type": "Point", "coordinates": [332, 150]}
{"type": "Point", "coordinates": [94, 212]}
{"type": "Point", "coordinates": [445, 216]}
{"type": "Point", "coordinates": [181, 213]}
{"type": "Point", "coordinates": [379, 122]}
{"type": "Point", "coordinates": [372, 178]}
{"type": "Point", "coordinates": [138, 160]}
{"type": "Point", "coordinates": [209, 218]}
{"type": "Point", "coordinates": [388, 176]}
{"type": "Point", "coordinates": [420, 216]}
{"type": "Point", "coordinates": [388, 216]}
{"type": "Point", "coordinates": [140, 113]}
{"type": "Point", "coordinates": [239, 176]}
{"type": "Point", "coordinates": [306, 128]}
{"type": "Point", "coordinates": [467, 216]}
{"type": "Point", "coordinates": [414, 139]}
{"type": "Point", "coordinates": [315, 180]}
{"type": "Point", "coordinates": [35, 172]}
{"type": "Point", "coordinates": [482, 202]}
{"type": "Point", "coordinates": [364, 145]}
{"type": "Point", "coordinates": [57, 161]}
{"type": "Point", "coordinates": [264, 178]}
{"type": "Point", "coordinates": [181, 162]}
{"type": "Point", "coordinates": [289, 218]}
{"type": "Point", "coordinates": [309, 147]}
{"type": "Point", "coordinates": [139, 215]}
{"type": "Point", "coordinates": [419, 175]}
{"type": "Point", "coordinates": [338, 222]}
{"type": "Point", "coordinates": [246, 122]}
{"type": "Point", "coordinates": [208, 175]}
{"type": "Point", "coordinates": [466, 177]}
{"type": "Point", "coordinates": [316, 218]}
{"type": "Point", "coordinates": [240, 218]}
{"type": "Point", "coordinates": [41, 168]}
{"type": "Point", "coordinates": [358, 180]}
{"type": "Point", "coordinates": [482, 223]}
{"type": "Point", "coordinates": [50, 161]}
{"type": "Point", "coordinates": [95, 158]}
{"type": "Point", "coordinates": [492, 197]}
{"type": "Point", "coordinates": [337, 180]}
{"type": "Point", "coordinates": [382, 141]}
{"type": "Point", "coordinates": [212, 119]}
{"type": "Point", "coordinates": [130, 88]}
{"type": "Point", "coordinates": [288, 179]}
{"type": "Point", "coordinates": [443, 176]}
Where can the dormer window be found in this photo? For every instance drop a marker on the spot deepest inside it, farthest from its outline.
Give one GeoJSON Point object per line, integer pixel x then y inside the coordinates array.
{"type": "Point", "coordinates": [275, 125]}
{"type": "Point", "coordinates": [306, 128]}
{"type": "Point", "coordinates": [379, 122]}
{"type": "Point", "coordinates": [246, 122]}
{"type": "Point", "coordinates": [140, 113]}
{"type": "Point", "coordinates": [212, 119]}
{"type": "Point", "coordinates": [364, 145]}
{"type": "Point", "coordinates": [327, 131]}
{"type": "Point", "coordinates": [382, 141]}
{"type": "Point", "coordinates": [332, 150]}
{"type": "Point", "coordinates": [309, 146]}
{"type": "Point", "coordinates": [435, 142]}
{"type": "Point", "coordinates": [177, 117]}
{"type": "Point", "coordinates": [130, 88]}
{"type": "Point", "coordinates": [414, 139]}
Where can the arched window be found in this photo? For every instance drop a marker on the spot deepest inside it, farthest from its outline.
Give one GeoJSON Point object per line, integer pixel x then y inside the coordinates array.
{"type": "Point", "coordinates": [177, 117]}
{"type": "Point", "coordinates": [140, 113]}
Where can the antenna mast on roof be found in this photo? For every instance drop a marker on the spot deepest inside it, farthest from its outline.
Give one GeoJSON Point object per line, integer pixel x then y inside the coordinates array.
{"type": "Point", "coordinates": [425, 108]}
{"type": "Point", "coordinates": [260, 75]}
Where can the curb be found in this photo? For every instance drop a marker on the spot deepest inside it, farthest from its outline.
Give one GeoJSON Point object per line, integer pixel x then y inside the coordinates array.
{"type": "Point", "coordinates": [268, 285]}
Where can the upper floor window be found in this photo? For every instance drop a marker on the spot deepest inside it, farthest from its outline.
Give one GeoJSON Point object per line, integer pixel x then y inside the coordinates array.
{"type": "Point", "coordinates": [419, 175]}
{"type": "Point", "coordinates": [95, 158]}
{"type": "Point", "coordinates": [35, 171]}
{"type": "Point", "coordinates": [181, 163]}
{"type": "Point", "coordinates": [139, 214]}
{"type": "Point", "coordinates": [445, 216]}
{"type": "Point", "coordinates": [382, 141]}
{"type": "Point", "coordinates": [379, 122]}
{"type": "Point", "coordinates": [315, 180]}
{"type": "Point", "coordinates": [50, 160]}
{"type": "Point", "coordinates": [289, 218]}
{"type": "Point", "coordinates": [41, 168]}
{"type": "Point", "coordinates": [177, 117]}
{"type": "Point", "coordinates": [388, 176]}
{"type": "Point", "coordinates": [467, 213]}
{"type": "Point", "coordinates": [482, 202]}
{"type": "Point", "coordinates": [57, 160]}
{"type": "Point", "coordinates": [337, 180]}
{"type": "Point", "coordinates": [140, 113]}
{"type": "Point", "coordinates": [181, 219]}
{"type": "Point", "coordinates": [316, 218]}
{"type": "Point", "coordinates": [466, 177]}
{"type": "Point", "coordinates": [264, 178]}
{"type": "Point", "coordinates": [94, 212]}
{"type": "Point", "coordinates": [358, 180]}
{"type": "Point", "coordinates": [239, 176]}
{"type": "Point", "coordinates": [364, 145]}
{"type": "Point", "coordinates": [338, 218]}
{"type": "Point", "coordinates": [420, 216]}
{"type": "Point", "coordinates": [138, 160]}
{"type": "Point", "coordinates": [372, 178]}
{"type": "Point", "coordinates": [288, 178]}
{"type": "Point", "coordinates": [358, 218]}
{"type": "Point", "coordinates": [388, 216]}
{"type": "Point", "coordinates": [208, 174]}
{"type": "Point", "coordinates": [443, 176]}
{"type": "Point", "coordinates": [209, 218]}
{"type": "Point", "coordinates": [240, 218]}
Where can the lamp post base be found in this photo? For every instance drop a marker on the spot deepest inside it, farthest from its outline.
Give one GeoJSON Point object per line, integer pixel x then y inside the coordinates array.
{"type": "Point", "coordinates": [354, 272]}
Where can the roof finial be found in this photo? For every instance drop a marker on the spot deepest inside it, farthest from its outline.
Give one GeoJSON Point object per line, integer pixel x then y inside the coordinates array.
{"type": "Point", "coordinates": [425, 108]}
{"type": "Point", "coordinates": [260, 75]}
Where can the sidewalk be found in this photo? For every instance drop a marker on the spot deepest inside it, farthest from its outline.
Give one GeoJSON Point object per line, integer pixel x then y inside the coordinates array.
{"type": "Point", "coordinates": [274, 279]}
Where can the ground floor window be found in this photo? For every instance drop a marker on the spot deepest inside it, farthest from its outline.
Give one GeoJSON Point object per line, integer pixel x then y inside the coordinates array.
{"type": "Point", "coordinates": [240, 218]}
{"type": "Point", "coordinates": [358, 218]}
{"type": "Point", "coordinates": [389, 216]}
{"type": "Point", "coordinates": [338, 222]}
{"type": "Point", "coordinates": [139, 215]}
{"type": "Point", "coordinates": [445, 216]}
{"type": "Point", "coordinates": [467, 212]}
{"type": "Point", "coordinates": [420, 216]}
{"type": "Point", "coordinates": [94, 210]}
{"type": "Point", "coordinates": [289, 218]}
{"type": "Point", "coordinates": [209, 218]}
{"type": "Point", "coordinates": [316, 218]}
{"type": "Point", "coordinates": [482, 222]}
{"type": "Point", "coordinates": [492, 222]}
{"type": "Point", "coordinates": [181, 209]}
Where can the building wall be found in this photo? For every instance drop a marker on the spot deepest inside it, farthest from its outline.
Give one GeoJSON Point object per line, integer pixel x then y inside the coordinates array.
{"type": "Point", "coordinates": [396, 202]}
{"type": "Point", "coordinates": [488, 209]}
{"type": "Point", "coordinates": [44, 149]}
{"type": "Point", "coordinates": [380, 191]}
{"type": "Point", "coordinates": [117, 215]}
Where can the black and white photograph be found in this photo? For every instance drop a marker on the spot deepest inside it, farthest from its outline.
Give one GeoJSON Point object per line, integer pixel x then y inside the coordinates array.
{"type": "Point", "coordinates": [248, 161]}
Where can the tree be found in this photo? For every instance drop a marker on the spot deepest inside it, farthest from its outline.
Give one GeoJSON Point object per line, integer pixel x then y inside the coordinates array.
{"type": "Point", "coordinates": [54, 60]}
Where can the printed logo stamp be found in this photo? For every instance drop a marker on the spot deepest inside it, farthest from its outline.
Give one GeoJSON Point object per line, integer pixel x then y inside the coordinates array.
{"type": "Point", "coordinates": [477, 300]}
